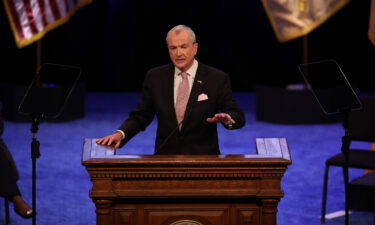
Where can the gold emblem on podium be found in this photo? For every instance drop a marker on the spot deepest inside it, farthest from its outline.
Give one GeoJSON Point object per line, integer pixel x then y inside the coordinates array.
{"type": "Point", "coordinates": [186, 222]}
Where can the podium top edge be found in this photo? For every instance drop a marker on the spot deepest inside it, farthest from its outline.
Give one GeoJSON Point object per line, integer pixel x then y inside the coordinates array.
{"type": "Point", "coordinates": [93, 154]}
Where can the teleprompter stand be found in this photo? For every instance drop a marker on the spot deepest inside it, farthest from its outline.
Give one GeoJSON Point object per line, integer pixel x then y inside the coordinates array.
{"type": "Point", "coordinates": [39, 104]}
{"type": "Point", "coordinates": [335, 96]}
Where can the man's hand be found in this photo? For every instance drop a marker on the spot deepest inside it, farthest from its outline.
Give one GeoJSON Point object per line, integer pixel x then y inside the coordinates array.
{"type": "Point", "coordinates": [113, 140]}
{"type": "Point", "coordinates": [221, 117]}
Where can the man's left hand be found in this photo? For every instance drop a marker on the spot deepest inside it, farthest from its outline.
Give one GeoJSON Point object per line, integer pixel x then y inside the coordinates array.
{"type": "Point", "coordinates": [221, 117]}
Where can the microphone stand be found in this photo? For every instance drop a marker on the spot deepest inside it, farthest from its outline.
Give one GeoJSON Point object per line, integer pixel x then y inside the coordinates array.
{"type": "Point", "coordinates": [167, 138]}
{"type": "Point", "coordinates": [345, 143]}
{"type": "Point", "coordinates": [35, 153]}
{"type": "Point", "coordinates": [173, 132]}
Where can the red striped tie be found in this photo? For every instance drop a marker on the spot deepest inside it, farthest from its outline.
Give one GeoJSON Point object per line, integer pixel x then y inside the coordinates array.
{"type": "Point", "coordinates": [182, 98]}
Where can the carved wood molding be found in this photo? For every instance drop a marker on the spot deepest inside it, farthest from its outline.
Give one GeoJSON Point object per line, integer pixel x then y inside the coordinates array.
{"type": "Point", "coordinates": [103, 175]}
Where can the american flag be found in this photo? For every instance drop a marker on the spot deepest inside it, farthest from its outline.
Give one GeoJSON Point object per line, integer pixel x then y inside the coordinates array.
{"type": "Point", "coordinates": [32, 19]}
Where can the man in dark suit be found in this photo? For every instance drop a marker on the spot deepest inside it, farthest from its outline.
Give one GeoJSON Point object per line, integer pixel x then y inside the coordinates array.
{"type": "Point", "coordinates": [188, 99]}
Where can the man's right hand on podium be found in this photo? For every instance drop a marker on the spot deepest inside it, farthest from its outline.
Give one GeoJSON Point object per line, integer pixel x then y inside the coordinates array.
{"type": "Point", "coordinates": [113, 140]}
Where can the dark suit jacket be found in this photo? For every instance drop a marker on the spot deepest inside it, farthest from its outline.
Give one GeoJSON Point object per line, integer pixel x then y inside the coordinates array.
{"type": "Point", "coordinates": [197, 136]}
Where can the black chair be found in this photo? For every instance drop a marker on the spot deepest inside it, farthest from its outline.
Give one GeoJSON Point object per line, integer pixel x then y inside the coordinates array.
{"type": "Point", "coordinates": [361, 128]}
{"type": "Point", "coordinates": [361, 193]}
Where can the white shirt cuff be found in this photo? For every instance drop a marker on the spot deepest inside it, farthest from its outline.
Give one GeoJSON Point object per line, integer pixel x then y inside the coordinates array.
{"type": "Point", "coordinates": [122, 133]}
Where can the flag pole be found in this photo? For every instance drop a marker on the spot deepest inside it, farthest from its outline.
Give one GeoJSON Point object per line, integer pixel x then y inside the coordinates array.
{"type": "Point", "coordinates": [305, 57]}
{"type": "Point", "coordinates": [38, 60]}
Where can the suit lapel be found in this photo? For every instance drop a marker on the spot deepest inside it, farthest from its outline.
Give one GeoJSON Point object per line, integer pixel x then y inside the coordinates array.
{"type": "Point", "coordinates": [170, 93]}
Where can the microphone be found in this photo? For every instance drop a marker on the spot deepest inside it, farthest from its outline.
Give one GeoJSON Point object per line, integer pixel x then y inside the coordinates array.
{"type": "Point", "coordinates": [173, 131]}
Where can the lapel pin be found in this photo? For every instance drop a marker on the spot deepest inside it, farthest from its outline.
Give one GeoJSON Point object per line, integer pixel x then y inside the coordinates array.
{"type": "Point", "coordinates": [199, 81]}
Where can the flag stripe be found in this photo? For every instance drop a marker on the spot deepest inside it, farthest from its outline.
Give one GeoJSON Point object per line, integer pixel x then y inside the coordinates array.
{"type": "Point", "coordinates": [37, 15]}
{"type": "Point", "coordinates": [49, 14]}
{"type": "Point", "coordinates": [21, 12]}
{"type": "Point", "coordinates": [61, 6]}
{"type": "Point", "coordinates": [42, 8]}
{"type": "Point", "coordinates": [68, 5]}
{"type": "Point", "coordinates": [55, 9]}
{"type": "Point", "coordinates": [15, 22]}
{"type": "Point", "coordinates": [30, 16]}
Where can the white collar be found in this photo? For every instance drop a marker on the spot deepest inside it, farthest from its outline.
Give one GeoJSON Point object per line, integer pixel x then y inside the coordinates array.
{"type": "Point", "coordinates": [191, 71]}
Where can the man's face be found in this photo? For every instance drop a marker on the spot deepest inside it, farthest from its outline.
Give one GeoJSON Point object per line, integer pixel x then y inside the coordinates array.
{"type": "Point", "coordinates": [181, 49]}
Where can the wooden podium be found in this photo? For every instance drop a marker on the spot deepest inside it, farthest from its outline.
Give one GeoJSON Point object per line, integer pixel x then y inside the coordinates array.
{"type": "Point", "coordinates": [187, 189]}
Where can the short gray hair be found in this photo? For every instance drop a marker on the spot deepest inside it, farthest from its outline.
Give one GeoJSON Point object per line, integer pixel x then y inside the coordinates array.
{"type": "Point", "coordinates": [177, 29]}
